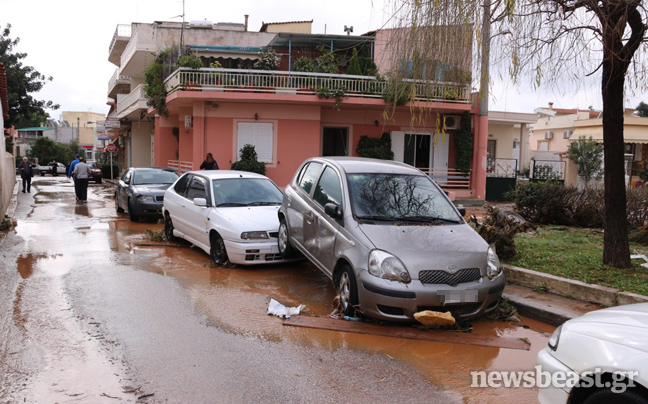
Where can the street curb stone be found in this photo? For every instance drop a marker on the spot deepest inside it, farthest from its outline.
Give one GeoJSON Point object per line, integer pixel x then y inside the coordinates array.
{"type": "Point", "coordinates": [601, 295]}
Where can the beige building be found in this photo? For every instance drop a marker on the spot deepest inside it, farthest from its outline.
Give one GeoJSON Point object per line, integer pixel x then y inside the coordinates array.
{"type": "Point", "coordinates": [84, 123]}
{"type": "Point", "coordinates": [508, 137]}
{"type": "Point", "coordinates": [294, 27]}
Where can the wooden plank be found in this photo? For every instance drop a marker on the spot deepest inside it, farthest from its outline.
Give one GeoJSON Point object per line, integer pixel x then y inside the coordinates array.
{"type": "Point", "coordinates": [408, 332]}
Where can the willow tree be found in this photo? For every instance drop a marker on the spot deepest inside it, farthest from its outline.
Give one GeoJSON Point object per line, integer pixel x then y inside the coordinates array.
{"type": "Point", "coordinates": [553, 42]}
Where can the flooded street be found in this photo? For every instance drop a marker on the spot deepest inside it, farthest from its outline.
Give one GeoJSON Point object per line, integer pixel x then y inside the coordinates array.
{"type": "Point", "coordinates": [94, 312]}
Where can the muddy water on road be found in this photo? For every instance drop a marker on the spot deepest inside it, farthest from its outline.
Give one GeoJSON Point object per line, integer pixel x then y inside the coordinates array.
{"type": "Point", "coordinates": [236, 300]}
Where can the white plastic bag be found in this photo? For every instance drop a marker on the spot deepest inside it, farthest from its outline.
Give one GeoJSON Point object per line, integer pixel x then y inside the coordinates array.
{"type": "Point", "coordinates": [282, 311]}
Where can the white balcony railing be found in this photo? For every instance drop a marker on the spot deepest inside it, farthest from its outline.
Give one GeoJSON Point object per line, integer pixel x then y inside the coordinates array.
{"type": "Point", "coordinates": [182, 166]}
{"type": "Point", "coordinates": [131, 102]}
{"type": "Point", "coordinates": [137, 42]}
{"type": "Point", "coordinates": [122, 31]}
{"type": "Point", "coordinates": [117, 79]}
{"type": "Point", "coordinates": [282, 82]}
{"type": "Point", "coordinates": [449, 178]}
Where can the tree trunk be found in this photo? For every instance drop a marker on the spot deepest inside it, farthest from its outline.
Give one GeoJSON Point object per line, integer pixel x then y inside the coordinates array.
{"type": "Point", "coordinates": [616, 248]}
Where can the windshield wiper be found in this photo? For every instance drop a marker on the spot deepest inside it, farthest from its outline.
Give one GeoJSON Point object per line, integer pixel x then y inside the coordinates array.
{"type": "Point", "coordinates": [378, 218]}
{"type": "Point", "coordinates": [230, 204]}
{"type": "Point", "coordinates": [427, 219]}
{"type": "Point", "coordinates": [263, 203]}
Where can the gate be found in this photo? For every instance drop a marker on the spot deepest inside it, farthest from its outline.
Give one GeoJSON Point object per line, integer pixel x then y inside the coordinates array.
{"type": "Point", "coordinates": [501, 177]}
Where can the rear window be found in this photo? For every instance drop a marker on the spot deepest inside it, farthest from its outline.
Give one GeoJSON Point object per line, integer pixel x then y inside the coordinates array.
{"type": "Point", "coordinates": [154, 177]}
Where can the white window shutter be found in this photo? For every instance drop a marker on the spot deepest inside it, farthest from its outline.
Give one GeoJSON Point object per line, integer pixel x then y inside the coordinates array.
{"type": "Point", "coordinates": [258, 134]}
{"type": "Point", "coordinates": [398, 145]}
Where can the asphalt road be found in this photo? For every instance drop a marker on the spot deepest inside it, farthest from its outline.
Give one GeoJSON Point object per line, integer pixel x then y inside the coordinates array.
{"type": "Point", "coordinates": [90, 314]}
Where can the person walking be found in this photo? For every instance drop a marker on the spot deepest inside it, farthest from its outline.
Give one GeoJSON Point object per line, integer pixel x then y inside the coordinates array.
{"type": "Point", "coordinates": [26, 173]}
{"type": "Point", "coordinates": [209, 163]}
{"type": "Point", "coordinates": [82, 174]}
{"type": "Point", "coordinates": [70, 173]}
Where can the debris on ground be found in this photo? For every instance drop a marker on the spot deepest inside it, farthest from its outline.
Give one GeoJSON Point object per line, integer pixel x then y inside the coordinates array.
{"type": "Point", "coordinates": [155, 235]}
{"type": "Point", "coordinates": [640, 257]}
{"type": "Point", "coordinates": [281, 311]}
{"type": "Point", "coordinates": [505, 311]}
{"type": "Point", "coordinates": [434, 318]}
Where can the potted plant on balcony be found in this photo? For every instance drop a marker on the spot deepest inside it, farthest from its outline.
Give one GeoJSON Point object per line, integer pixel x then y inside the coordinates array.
{"type": "Point", "coordinates": [191, 62]}
{"type": "Point", "coordinates": [217, 77]}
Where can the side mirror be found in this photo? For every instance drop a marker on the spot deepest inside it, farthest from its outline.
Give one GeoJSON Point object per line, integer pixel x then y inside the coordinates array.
{"type": "Point", "coordinates": [333, 211]}
{"type": "Point", "coordinates": [462, 210]}
{"type": "Point", "coordinates": [200, 202]}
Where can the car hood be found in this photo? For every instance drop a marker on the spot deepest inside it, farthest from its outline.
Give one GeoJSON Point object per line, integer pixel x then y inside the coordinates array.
{"type": "Point", "coordinates": [430, 247]}
{"type": "Point", "coordinates": [151, 188]}
{"type": "Point", "coordinates": [632, 315]}
{"type": "Point", "coordinates": [251, 218]}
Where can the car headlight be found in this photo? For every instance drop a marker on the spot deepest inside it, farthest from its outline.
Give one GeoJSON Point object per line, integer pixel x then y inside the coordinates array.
{"type": "Point", "coordinates": [250, 235]}
{"type": "Point", "coordinates": [494, 267]}
{"type": "Point", "coordinates": [385, 265]}
{"type": "Point", "coordinates": [554, 339]}
{"type": "Point", "coordinates": [145, 198]}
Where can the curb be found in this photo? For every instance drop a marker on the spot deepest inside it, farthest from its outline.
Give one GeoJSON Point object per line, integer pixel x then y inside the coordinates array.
{"type": "Point", "coordinates": [602, 295]}
{"type": "Point", "coordinates": [11, 208]}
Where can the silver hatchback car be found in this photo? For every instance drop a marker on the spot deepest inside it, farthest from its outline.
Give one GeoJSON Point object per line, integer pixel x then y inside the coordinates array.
{"type": "Point", "coordinates": [389, 238]}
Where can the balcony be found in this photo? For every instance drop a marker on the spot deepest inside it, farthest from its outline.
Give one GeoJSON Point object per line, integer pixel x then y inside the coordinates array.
{"type": "Point", "coordinates": [281, 82]}
{"type": "Point", "coordinates": [118, 84]}
{"type": "Point", "coordinates": [130, 106]}
{"type": "Point", "coordinates": [138, 54]}
{"type": "Point", "coordinates": [120, 38]}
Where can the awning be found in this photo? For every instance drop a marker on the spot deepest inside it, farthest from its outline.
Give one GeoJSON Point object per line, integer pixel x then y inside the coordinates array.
{"type": "Point", "coordinates": [631, 133]}
{"type": "Point", "coordinates": [227, 52]}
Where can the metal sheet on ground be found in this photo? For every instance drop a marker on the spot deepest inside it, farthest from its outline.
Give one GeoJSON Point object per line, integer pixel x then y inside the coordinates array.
{"type": "Point", "coordinates": [450, 337]}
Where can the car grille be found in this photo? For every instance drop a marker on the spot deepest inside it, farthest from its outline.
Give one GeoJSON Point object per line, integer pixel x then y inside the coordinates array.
{"type": "Point", "coordinates": [159, 198]}
{"type": "Point", "coordinates": [445, 278]}
{"type": "Point", "coordinates": [274, 234]}
{"type": "Point", "coordinates": [273, 257]}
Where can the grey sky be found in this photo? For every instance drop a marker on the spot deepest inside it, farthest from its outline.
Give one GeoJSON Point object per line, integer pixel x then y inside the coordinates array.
{"type": "Point", "coordinates": [69, 40]}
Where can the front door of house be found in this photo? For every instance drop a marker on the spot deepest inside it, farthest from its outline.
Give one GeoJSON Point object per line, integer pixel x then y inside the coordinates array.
{"type": "Point", "coordinates": [425, 151]}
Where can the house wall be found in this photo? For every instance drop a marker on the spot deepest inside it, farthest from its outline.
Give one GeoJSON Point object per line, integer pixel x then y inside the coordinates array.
{"type": "Point", "coordinates": [556, 124]}
{"type": "Point", "coordinates": [504, 135]}
{"type": "Point", "coordinates": [7, 173]}
{"type": "Point", "coordinates": [297, 28]}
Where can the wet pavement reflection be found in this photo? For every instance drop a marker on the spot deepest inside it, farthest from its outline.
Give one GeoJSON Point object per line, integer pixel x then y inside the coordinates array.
{"type": "Point", "coordinates": [231, 299]}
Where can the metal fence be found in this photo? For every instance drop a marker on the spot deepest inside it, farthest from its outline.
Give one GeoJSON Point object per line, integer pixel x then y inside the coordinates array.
{"type": "Point", "coordinates": [502, 168]}
{"type": "Point", "coordinates": [547, 170]}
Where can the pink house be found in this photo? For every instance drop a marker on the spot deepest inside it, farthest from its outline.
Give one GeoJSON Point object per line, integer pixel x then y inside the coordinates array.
{"type": "Point", "coordinates": [280, 113]}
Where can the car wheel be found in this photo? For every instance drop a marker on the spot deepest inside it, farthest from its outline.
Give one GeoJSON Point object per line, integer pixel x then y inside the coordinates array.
{"type": "Point", "coordinates": [217, 249]}
{"type": "Point", "coordinates": [168, 229]}
{"type": "Point", "coordinates": [610, 397]}
{"type": "Point", "coordinates": [347, 291]}
{"type": "Point", "coordinates": [131, 212]}
{"type": "Point", "coordinates": [283, 240]}
{"type": "Point", "coordinates": [118, 209]}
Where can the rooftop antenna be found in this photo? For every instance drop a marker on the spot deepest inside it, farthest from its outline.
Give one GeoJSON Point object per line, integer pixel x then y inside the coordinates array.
{"type": "Point", "coordinates": [348, 30]}
{"type": "Point", "coordinates": [181, 28]}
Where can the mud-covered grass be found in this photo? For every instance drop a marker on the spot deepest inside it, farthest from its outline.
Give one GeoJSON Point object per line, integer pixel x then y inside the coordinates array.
{"type": "Point", "coordinates": [577, 253]}
{"type": "Point", "coordinates": [155, 235]}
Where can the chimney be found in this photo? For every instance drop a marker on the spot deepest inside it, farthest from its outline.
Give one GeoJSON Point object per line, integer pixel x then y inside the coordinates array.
{"type": "Point", "coordinates": [551, 105]}
{"type": "Point", "coordinates": [246, 22]}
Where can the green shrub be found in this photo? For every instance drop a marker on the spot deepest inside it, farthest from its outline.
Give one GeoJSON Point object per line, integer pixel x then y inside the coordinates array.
{"type": "Point", "coordinates": [637, 201]}
{"type": "Point", "coordinates": [304, 64]}
{"type": "Point", "coordinates": [190, 61]}
{"type": "Point", "coordinates": [354, 64]}
{"type": "Point", "coordinates": [377, 148]}
{"type": "Point", "coordinates": [249, 161]}
{"type": "Point", "coordinates": [464, 144]}
{"type": "Point", "coordinates": [267, 60]}
{"type": "Point", "coordinates": [327, 61]}
{"type": "Point", "coordinates": [397, 91]}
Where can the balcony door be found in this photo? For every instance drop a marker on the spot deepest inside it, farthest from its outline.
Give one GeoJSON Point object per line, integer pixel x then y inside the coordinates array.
{"type": "Point", "coordinates": [335, 141]}
{"type": "Point", "coordinates": [421, 150]}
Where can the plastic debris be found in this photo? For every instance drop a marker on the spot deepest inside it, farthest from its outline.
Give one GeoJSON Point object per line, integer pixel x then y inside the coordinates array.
{"type": "Point", "coordinates": [640, 257]}
{"type": "Point", "coordinates": [281, 311]}
{"type": "Point", "coordinates": [434, 318]}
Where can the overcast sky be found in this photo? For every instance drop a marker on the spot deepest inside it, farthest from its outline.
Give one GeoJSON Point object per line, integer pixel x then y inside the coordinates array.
{"type": "Point", "coordinates": [69, 40]}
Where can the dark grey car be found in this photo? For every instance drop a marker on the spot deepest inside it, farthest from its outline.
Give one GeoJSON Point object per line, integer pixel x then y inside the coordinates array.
{"type": "Point", "coordinates": [140, 191]}
{"type": "Point", "coordinates": [389, 238]}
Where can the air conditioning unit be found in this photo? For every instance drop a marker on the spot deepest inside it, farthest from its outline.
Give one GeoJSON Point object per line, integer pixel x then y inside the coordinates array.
{"type": "Point", "coordinates": [548, 135]}
{"type": "Point", "coordinates": [451, 122]}
{"type": "Point", "coordinates": [567, 134]}
{"type": "Point", "coordinates": [188, 121]}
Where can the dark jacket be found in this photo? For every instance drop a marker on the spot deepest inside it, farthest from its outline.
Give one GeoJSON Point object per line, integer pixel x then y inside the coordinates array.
{"type": "Point", "coordinates": [209, 166]}
{"type": "Point", "coordinates": [26, 169]}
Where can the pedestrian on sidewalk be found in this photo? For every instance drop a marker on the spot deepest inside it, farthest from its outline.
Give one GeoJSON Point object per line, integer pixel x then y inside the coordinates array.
{"type": "Point", "coordinates": [82, 173]}
{"type": "Point", "coordinates": [209, 163]}
{"type": "Point", "coordinates": [26, 173]}
{"type": "Point", "coordinates": [70, 173]}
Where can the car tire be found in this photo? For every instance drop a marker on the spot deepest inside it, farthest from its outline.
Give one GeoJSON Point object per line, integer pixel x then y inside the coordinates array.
{"type": "Point", "coordinates": [607, 396]}
{"type": "Point", "coordinates": [283, 240]}
{"type": "Point", "coordinates": [217, 250]}
{"type": "Point", "coordinates": [347, 290]}
{"type": "Point", "coordinates": [131, 212]}
{"type": "Point", "coordinates": [118, 209]}
{"type": "Point", "coordinates": [168, 229]}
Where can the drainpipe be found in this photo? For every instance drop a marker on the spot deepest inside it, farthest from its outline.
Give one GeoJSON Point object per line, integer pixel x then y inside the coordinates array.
{"type": "Point", "coordinates": [246, 22]}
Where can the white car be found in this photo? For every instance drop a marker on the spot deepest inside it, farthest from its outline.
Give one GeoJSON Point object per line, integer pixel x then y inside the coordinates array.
{"type": "Point", "coordinates": [231, 215]}
{"type": "Point", "coordinates": [605, 352]}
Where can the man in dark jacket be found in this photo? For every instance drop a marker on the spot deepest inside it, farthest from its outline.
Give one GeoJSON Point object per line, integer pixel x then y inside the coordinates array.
{"type": "Point", "coordinates": [26, 173]}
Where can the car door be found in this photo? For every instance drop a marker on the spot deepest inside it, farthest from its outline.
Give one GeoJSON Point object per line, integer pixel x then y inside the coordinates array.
{"type": "Point", "coordinates": [122, 189]}
{"type": "Point", "coordinates": [320, 230]}
{"type": "Point", "coordinates": [298, 197]}
{"type": "Point", "coordinates": [174, 201]}
{"type": "Point", "coordinates": [196, 216]}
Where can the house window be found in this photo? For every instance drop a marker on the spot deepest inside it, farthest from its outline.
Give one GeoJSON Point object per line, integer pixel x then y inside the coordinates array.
{"type": "Point", "coordinates": [417, 151]}
{"type": "Point", "coordinates": [335, 142]}
{"type": "Point", "coordinates": [258, 134]}
{"type": "Point", "coordinates": [491, 148]}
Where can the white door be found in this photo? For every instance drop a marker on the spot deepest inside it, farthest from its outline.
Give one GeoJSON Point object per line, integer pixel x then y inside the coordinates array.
{"type": "Point", "coordinates": [440, 150]}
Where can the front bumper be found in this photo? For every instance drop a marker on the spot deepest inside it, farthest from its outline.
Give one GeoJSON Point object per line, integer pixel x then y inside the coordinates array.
{"type": "Point", "coordinates": [552, 394]}
{"type": "Point", "coordinates": [394, 301]}
{"type": "Point", "coordinates": [148, 209]}
{"type": "Point", "coordinates": [254, 253]}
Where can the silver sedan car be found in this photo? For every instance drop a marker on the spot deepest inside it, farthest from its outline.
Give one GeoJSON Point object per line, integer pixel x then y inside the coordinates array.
{"type": "Point", "coordinates": [389, 238]}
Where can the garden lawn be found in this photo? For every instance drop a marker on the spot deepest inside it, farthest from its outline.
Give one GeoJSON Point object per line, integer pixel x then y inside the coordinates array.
{"type": "Point", "coordinates": [577, 253]}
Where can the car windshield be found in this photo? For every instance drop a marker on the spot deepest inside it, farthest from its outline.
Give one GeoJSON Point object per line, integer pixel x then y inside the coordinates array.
{"type": "Point", "coordinates": [246, 192]}
{"type": "Point", "coordinates": [399, 197]}
{"type": "Point", "coordinates": [154, 177]}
